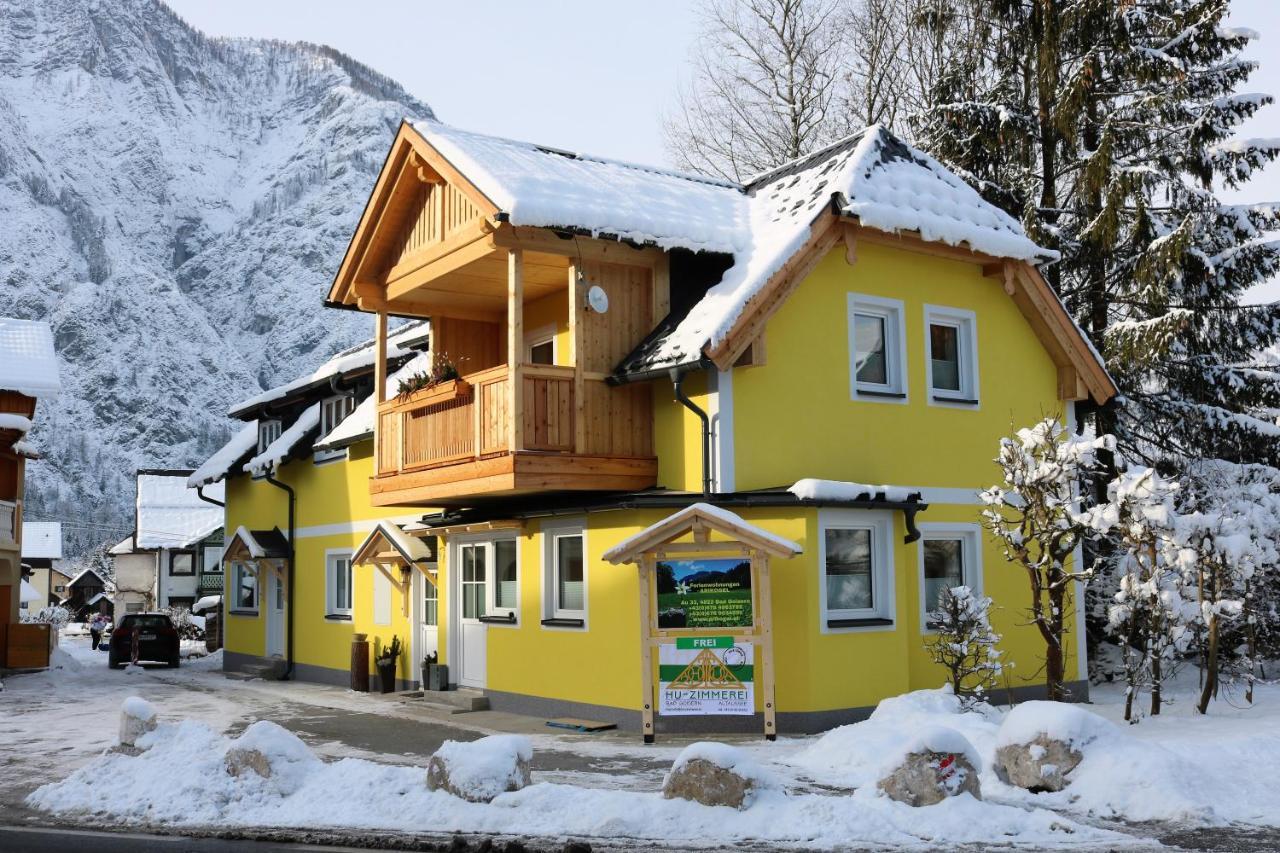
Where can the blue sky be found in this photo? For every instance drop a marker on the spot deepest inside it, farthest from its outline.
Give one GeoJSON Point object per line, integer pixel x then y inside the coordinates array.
{"type": "Point", "coordinates": [587, 76]}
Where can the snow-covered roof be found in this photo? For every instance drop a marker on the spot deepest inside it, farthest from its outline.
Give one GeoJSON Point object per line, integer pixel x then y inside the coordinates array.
{"type": "Point", "coordinates": [28, 364]}
{"type": "Point", "coordinates": [99, 597]}
{"type": "Point", "coordinates": [124, 546]}
{"type": "Point", "coordinates": [220, 464]}
{"type": "Point", "coordinates": [887, 184]}
{"type": "Point", "coordinates": [282, 448]}
{"type": "Point", "coordinates": [28, 593]}
{"type": "Point", "coordinates": [351, 360]}
{"type": "Point", "coordinates": [716, 516]}
{"type": "Point", "coordinates": [171, 515]}
{"type": "Point", "coordinates": [411, 548]}
{"type": "Point", "coordinates": [18, 423]}
{"type": "Point", "coordinates": [546, 187]}
{"type": "Point", "coordinates": [260, 544]}
{"type": "Point", "coordinates": [82, 573]}
{"type": "Point", "coordinates": [209, 602]}
{"type": "Point", "coordinates": [835, 491]}
{"type": "Point", "coordinates": [42, 540]}
{"type": "Point", "coordinates": [358, 425]}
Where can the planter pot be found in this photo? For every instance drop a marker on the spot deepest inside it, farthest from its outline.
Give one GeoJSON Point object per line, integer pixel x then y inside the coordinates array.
{"type": "Point", "coordinates": [437, 677]}
{"type": "Point", "coordinates": [387, 677]}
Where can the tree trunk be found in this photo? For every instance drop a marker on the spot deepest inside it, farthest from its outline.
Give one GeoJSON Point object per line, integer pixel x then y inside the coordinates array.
{"type": "Point", "coordinates": [1054, 666]}
{"type": "Point", "coordinates": [1211, 667]}
{"type": "Point", "coordinates": [1155, 687]}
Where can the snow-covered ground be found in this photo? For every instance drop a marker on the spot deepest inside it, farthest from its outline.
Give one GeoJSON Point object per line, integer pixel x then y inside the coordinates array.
{"type": "Point", "coordinates": [1178, 770]}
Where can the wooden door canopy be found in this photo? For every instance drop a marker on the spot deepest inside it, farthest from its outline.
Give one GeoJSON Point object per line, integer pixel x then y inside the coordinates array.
{"type": "Point", "coordinates": [701, 519]}
{"type": "Point", "coordinates": [388, 544]}
{"type": "Point", "coordinates": [251, 545]}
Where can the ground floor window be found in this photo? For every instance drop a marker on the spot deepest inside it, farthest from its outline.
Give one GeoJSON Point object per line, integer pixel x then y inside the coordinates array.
{"type": "Point", "coordinates": [856, 586]}
{"type": "Point", "coordinates": [506, 585]}
{"type": "Point", "coordinates": [949, 557]}
{"type": "Point", "coordinates": [244, 587]}
{"type": "Point", "coordinates": [337, 574]}
{"type": "Point", "coordinates": [565, 584]}
{"type": "Point", "coordinates": [430, 604]}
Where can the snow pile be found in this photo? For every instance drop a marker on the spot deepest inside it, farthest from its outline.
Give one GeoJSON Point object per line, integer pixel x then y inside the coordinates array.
{"type": "Point", "coordinates": [727, 757]}
{"type": "Point", "coordinates": [282, 448]}
{"type": "Point", "coordinates": [358, 794]}
{"type": "Point", "coordinates": [138, 708]}
{"type": "Point", "coordinates": [289, 759]}
{"type": "Point", "coordinates": [28, 364]}
{"type": "Point", "coordinates": [171, 515]}
{"type": "Point", "coordinates": [219, 465]}
{"type": "Point", "coordinates": [810, 489]}
{"type": "Point", "coordinates": [482, 769]}
{"type": "Point", "coordinates": [1070, 724]}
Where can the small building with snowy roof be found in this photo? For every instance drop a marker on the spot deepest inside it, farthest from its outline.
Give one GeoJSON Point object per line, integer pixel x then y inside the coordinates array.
{"type": "Point", "coordinates": [773, 404]}
{"type": "Point", "coordinates": [28, 374]}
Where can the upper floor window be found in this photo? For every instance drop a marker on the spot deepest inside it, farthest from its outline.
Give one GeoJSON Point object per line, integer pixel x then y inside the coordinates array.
{"type": "Point", "coordinates": [856, 588]}
{"type": "Point", "coordinates": [540, 346]}
{"type": "Point", "coordinates": [952, 363]}
{"type": "Point", "coordinates": [182, 563]}
{"type": "Point", "coordinates": [268, 431]}
{"type": "Point", "coordinates": [332, 412]}
{"type": "Point", "coordinates": [877, 339]}
{"type": "Point", "coordinates": [949, 557]}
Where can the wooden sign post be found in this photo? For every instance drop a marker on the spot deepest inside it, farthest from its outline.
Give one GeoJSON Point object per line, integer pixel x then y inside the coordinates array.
{"type": "Point", "coordinates": [719, 538]}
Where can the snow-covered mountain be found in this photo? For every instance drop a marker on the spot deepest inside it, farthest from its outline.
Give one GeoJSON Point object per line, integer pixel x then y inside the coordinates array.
{"type": "Point", "coordinates": [176, 205]}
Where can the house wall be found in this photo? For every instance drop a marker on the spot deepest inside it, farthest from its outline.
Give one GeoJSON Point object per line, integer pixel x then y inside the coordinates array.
{"type": "Point", "coordinates": [333, 513]}
{"type": "Point", "coordinates": [135, 582]}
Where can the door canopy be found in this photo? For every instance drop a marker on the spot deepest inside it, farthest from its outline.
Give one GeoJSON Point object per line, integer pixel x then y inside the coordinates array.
{"type": "Point", "coordinates": [701, 520]}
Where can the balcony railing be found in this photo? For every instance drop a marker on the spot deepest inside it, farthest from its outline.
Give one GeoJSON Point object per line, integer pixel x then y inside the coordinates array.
{"type": "Point", "coordinates": [8, 522]}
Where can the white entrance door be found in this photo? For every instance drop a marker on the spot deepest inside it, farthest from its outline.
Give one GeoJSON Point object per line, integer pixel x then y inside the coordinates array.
{"type": "Point", "coordinates": [472, 574]}
{"type": "Point", "coordinates": [426, 621]}
{"type": "Point", "coordinates": [275, 614]}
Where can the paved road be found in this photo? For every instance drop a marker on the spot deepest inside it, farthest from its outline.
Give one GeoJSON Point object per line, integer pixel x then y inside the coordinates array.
{"type": "Point", "coordinates": [20, 840]}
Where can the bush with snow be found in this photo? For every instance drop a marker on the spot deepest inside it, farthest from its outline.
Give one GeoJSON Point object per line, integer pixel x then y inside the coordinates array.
{"type": "Point", "coordinates": [190, 626]}
{"type": "Point", "coordinates": [964, 642]}
{"type": "Point", "coordinates": [482, 769]}
{"type": "Point", "coordinates": [54, 616]}
{"type": "Point", "coordinates": [715, 774]}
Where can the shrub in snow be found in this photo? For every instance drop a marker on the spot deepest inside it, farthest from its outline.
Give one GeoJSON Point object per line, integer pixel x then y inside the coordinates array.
{"type": "Point", "coordinates": [482, 769]}
{"type": "Point", "coordinates": [137, 717]}
{"type": "Point", "coordinates": [1037, 517]}
{"type": "Point", "coordinates": [271, 752]}
{"type": "Point", "coordinates": [1040, 743]}
{"type": "Point", "coordinates": [189, 627]}
{"type": "Point", "coordinates": [715, 774]}
{"type": "Point", "coordinates": [53, 616]}
{"type": "Point", "coordinates": [938, 763]}
{"type": "Point", "coordinates": [964, 643]}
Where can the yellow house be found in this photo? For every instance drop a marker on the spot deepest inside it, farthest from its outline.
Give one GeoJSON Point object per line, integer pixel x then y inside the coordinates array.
{"type": "Point", "coordinates": [822, 361]}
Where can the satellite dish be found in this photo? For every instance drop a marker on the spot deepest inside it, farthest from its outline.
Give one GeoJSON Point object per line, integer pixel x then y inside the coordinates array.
{"type": "Point", "coordinates": [597, 299]}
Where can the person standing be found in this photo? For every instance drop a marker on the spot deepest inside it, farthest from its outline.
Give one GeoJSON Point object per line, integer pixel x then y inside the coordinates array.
{"type": "Point", "coordinates": [96, 626]}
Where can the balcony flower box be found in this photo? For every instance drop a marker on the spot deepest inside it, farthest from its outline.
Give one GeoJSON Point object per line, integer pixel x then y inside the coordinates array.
{"type": "Point", "coordinates": [442, 392]}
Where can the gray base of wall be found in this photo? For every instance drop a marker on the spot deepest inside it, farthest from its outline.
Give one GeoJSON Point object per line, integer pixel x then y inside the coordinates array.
{"type": "Point", "coordinates": [238, 662]}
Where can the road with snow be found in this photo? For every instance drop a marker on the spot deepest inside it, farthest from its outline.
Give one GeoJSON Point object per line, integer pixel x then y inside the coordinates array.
{"type": "Point", "coordinates": [59, 723]}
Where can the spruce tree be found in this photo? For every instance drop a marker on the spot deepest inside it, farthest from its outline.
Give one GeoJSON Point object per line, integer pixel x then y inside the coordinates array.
{"type": "Point", "coordinates": [1108, 127]}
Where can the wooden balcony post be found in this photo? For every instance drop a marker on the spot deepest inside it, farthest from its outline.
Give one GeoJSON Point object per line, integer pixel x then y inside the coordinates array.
{"type": "Point", "coordinates": [515, 347]}
{"type": "Point", "coordinates": [576, 302]}
{"type": "Point", "coordinates": [379, 383]}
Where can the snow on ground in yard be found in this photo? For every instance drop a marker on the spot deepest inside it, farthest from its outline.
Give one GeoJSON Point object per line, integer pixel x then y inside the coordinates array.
{"type": "Point", "coordinates": [354, 793]}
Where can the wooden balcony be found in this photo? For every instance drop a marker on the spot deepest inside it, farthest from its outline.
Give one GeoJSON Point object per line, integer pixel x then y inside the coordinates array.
{"type": "Point", "coordinates": [458, 440]}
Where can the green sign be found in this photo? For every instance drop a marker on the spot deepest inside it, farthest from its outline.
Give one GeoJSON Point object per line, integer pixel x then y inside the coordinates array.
{"type": "Point", "coordinates": [704, 593]}
{"type": "Point", "coordinates": [704, 642]}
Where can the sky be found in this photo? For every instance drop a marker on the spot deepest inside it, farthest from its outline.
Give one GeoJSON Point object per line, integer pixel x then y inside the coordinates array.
{"type": "Point", "coordinates": [586, 76]}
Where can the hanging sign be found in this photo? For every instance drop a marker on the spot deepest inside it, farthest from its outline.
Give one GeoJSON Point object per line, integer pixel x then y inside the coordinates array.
{"type": "Point", "coordinates": [705, 675]}
{"type": "Point", "coordinates": [704, 593]}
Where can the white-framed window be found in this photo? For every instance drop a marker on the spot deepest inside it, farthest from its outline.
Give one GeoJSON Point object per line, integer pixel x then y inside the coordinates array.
{"type": "Point", "coordinates": [504, 585]}
{"type": "Point", "coordinates": [430, 603]}
{"type": "Point", "coordinates": [268, 431]}
{"type": "Point", "coordinates": [855, 558]}
{"type": "Point", "coordinates": [244, 588]}
{"type": "Point", "coordinates": [337, 583]}
{"type": "Point", "coordinates": [877, 349]}
{"type": "Point", "coordinates": [950, 556]}
{"type": "Point", "coordinates": [333, 410]}
{"type": "Point", "coordinates": [540, 345]}
{"type": "Point", "coordinates": [564, 584]}
{"type": "Point", "coordinates": [951, 357]}
{"type": "Point", "coordinates": [182, 563]}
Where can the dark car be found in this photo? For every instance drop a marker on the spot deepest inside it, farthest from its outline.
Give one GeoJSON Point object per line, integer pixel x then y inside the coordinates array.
{"type": "Point", "coordinates": [156, 637]}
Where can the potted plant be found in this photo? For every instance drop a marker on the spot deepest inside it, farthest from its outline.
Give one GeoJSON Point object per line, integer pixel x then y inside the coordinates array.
{"type": "Point", "coordinates": [442, 372]}
{"type": "Point", "coordinates": [385, 661]}
{"type": "Point", "coordinates": [435, 675]}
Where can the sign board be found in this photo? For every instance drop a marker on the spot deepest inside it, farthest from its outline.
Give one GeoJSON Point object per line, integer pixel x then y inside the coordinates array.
{"type": "Point", "coordinates": [706, 675]}
{"type": "Point", "coordinates": [704, 593]}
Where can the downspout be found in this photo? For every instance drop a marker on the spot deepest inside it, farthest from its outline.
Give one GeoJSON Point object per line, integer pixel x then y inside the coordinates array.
{"type": "Point", "coordinates": [202, 496]}
{"type": "Point", "coordinates": [677, 385]}
{"type": "Point", "coordinates": [288, 642]}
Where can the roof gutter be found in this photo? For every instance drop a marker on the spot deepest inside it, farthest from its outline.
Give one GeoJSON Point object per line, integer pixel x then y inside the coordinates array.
{"type": "Point", "coordinates": [202, 496]}
{"type": "Point", "coordinates": [289, 598]}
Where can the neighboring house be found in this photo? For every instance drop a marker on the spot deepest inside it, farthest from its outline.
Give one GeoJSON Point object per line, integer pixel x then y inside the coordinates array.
{"type": "Point", "coordinates": [41, 547]}
{"type": "Point", "coordinates": [632, 342]}
{"type": "Point", "coordinates": [174, 556]}
{"type": "Point", "coordinates": [315, 436]}
{"type": "Point", "coordinates": [88, 593]}
{"type": "Point", "coordinates": [28, 372]}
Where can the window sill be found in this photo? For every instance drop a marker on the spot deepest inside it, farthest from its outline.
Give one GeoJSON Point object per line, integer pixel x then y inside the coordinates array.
{"type": "Point", "coordinates": [338, 617]}
{"type": "Point", "coordinates": [507, 619]}
{"type": "Point", "coordinates": [883, 395]}
{"type": "Point", "coordinates": [954, 401]}
{"type": "Point", "coordinates": [560, 622]}
{"type": "Point", "coordinates": [242, 612]}
{"type": "Point", "coordinates": [865, 622]}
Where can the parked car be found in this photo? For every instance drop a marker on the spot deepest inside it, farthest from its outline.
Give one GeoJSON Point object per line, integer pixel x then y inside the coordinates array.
{"type": "Point", "coordinates": [157, 640]}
